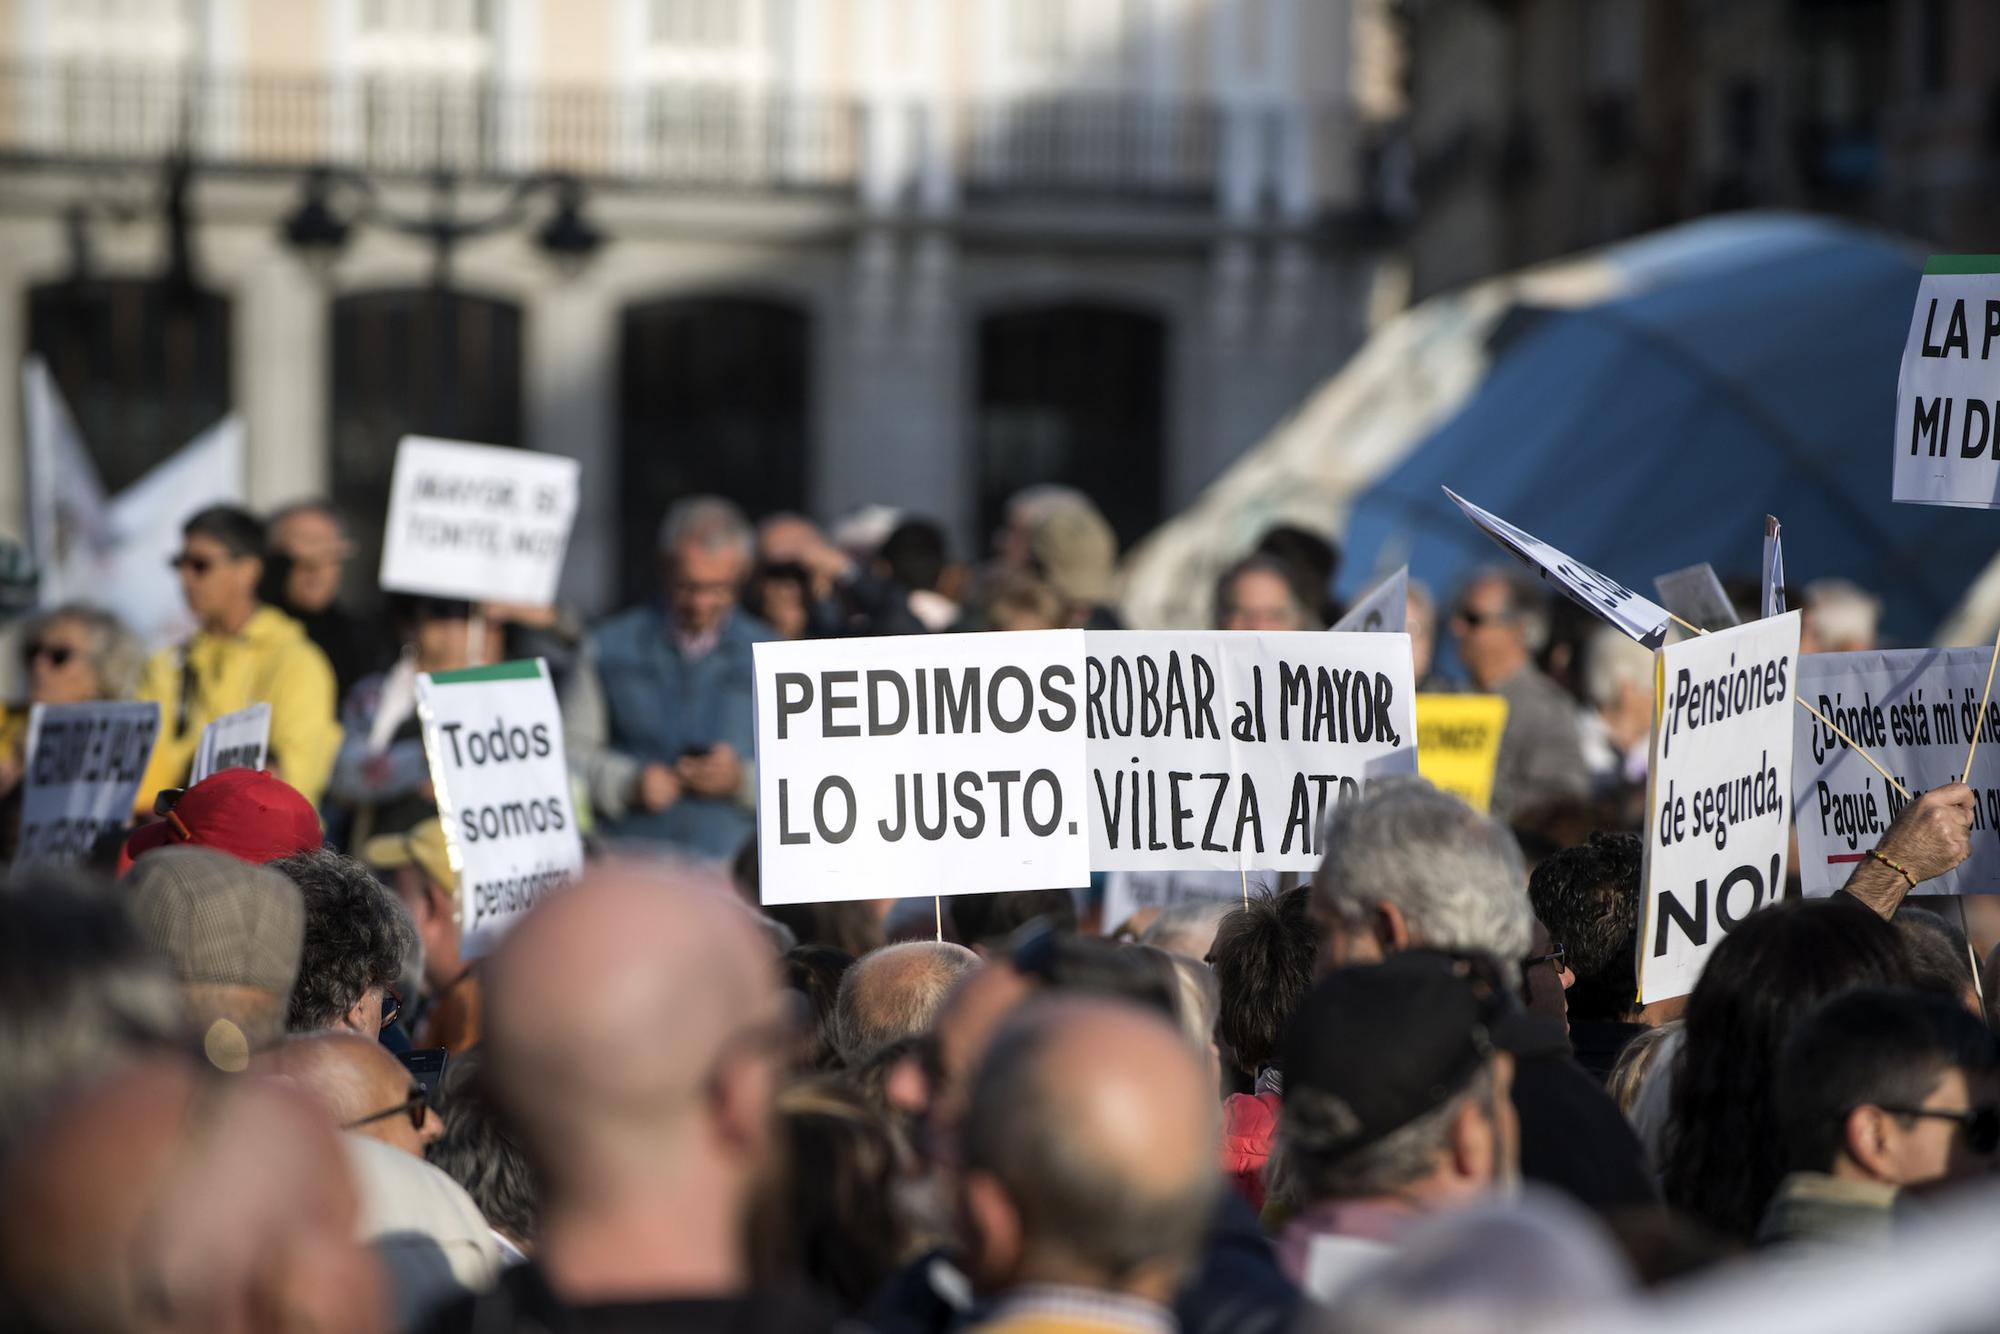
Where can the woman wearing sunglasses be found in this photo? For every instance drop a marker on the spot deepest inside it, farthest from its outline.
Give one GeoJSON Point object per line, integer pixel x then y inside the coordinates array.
{"type": "Point", "coordinates": [72, 654]}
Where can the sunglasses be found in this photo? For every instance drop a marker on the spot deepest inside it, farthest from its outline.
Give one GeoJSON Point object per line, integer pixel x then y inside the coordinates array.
{"type": "Point", "coordinates": [392, 1005]}
{"type": "Point", "coordinates": [198, 566]}
{"type": "Point", "coordinates": [1980, 1124]}
{"type": "Point", "coordinates": [416, 1107]}
{"type": "Point", "coordinates": [58, 655]}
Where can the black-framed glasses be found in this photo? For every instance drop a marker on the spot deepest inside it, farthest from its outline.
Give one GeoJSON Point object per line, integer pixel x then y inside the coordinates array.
{"type": "Point", "coordinates": [417, 1106]}
{"type": "Point", "coordinates": [1557, 956]}
{"type": "Point", "coordinates": [392, 1005]}
{"type": "Point", "coordinates": [1980, 1124]}
{"type": "Point", "coordinates": [56, 655]}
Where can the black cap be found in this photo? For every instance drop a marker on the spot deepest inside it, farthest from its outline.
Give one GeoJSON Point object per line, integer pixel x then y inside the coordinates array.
{"type": "Point", "coordinates": [1374, 1047]}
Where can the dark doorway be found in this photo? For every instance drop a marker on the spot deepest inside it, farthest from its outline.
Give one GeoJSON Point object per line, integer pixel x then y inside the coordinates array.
{"type": "Point", "coordinates": [142, 363]}
{"type": "Point", "coordinates": [714, 396]}
{"type": "Point", "coordinates": [1076, 394]}
{"type": "Point", "coordinates": [418, 361]}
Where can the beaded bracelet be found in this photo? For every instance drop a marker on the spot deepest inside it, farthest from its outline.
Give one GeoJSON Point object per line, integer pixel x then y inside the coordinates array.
{"type": "Point", "coordinates": [1895, 866]}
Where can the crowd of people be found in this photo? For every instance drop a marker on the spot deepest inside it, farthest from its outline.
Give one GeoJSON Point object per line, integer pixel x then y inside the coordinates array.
{"type": "Point", "coordinates": [248, 1081]}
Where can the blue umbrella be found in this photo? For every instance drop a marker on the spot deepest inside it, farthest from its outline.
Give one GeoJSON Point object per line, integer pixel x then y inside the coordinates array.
{"type": "Point", "coordinates": [1743, 365]}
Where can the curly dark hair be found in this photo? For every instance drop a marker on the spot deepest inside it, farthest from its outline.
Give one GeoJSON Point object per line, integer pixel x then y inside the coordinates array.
{"type": "Point", "coordinates": [1724, 1148]}
{"type": "Point", "coordinates": [478, 1150]}
{"type": "Point", "coordinates": [357, 936]}
{"type": "Point", "coordinates": [1588, 898]}
{"type": "Point", "coordinates": [1263, 959]}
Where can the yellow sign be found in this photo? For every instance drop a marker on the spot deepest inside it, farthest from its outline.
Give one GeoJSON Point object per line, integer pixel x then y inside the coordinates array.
{"type": "Point", "coordinates": [1458, 740]}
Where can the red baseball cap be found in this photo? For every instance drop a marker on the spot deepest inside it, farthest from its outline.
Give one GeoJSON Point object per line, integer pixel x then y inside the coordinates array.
{"type": "Point", "coordinates": [248, 813]}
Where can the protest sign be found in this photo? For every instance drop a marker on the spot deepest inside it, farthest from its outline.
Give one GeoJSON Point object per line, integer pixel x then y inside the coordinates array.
{"type": "Point", "coordinates": [236, 740]}
{"type": "Point", "coordinates": [477, 522]}
{"type": "Point", "coordinates": [921, 764]}
{"type": "Point", "coordinates": [1458, 743]}
{"type": "Point", "coordinates": [1226, 751]}
{"type": "Point", "coordinates": [494, 739]}
{"type": "Point", "coordinates": [1130, 892]}
{"type": "Point", "coordinates": [1946, 445]}
{"type": "Point", "coordinates": [1603, 597]}
{"type": "Point", "coordinates": [1384, 610]}
{"type": "Point", "coordinates": [1695, 595]}
{"type": "Point", "coordinates": [1913, 709]}
{"type": "Point", "coordinates": [1718, 798]}
{"type": "Point", "coordinates": [1772, 600]}
{"type": "Point", "coordinates": [82, 768]}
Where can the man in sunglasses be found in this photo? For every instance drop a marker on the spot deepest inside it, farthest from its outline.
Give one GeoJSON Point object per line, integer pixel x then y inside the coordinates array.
{"type": "Point", "coordinates": [1879, 1095]}
{"type": "Point", "coordinates": [1499, 623]}
{"type": "Point", "coordinates": [241, 653]}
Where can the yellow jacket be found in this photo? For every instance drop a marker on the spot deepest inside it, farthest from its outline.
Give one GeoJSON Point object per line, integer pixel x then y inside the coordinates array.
{"type": "Point", "coordinates": [271, 661]}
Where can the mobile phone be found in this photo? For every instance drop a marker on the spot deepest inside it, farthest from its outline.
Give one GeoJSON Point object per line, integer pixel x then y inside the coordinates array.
{"type": "Point", "coordinates": [427, 1065]}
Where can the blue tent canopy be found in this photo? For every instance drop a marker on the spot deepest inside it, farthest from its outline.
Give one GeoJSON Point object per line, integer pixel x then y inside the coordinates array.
{"type": "Point", "coordinates": [1744, 365]}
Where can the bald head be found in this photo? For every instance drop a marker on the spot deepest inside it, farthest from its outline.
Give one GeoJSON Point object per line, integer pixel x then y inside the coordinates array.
{"type": "Point", "coordinates": [894, 993]}
{"type": "Point", "coordinates": [164, 1199]}
{"type": "Point", "coordinates": [1095, 1122]}
{"type": "Point", "coordinates": [353, 1079]}
{"type": "Point", "coordinates": [613, 1011]}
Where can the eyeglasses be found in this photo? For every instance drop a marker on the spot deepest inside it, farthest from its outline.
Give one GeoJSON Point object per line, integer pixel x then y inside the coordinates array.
{"type": "Point", "coordinates": [1556, 957]}
{"type": "Point", "coordinates": [58, 655]}
{"type": "Point", "coordinates": [195, 565]}
{"type": "Point", "coordinates": [1980, 1124]}
{"type": "Point", "coordinates": [392, 1005]}
{"type": "Point", "coordinates": [1472, 620]}
{"type": "Point", "coordinates": [416, 1107]}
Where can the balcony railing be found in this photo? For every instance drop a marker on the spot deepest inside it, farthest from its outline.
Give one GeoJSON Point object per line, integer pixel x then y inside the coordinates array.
{"type": "Point", "coordinates": [678, 135]}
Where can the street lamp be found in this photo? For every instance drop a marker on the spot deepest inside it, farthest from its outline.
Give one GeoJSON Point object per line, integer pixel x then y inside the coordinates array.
{"type": "Point", "coordinates": [319, 228]}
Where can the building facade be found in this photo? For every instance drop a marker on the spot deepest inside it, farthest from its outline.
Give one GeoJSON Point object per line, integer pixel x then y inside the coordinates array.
{"type": "Point", "coordinates": [808, 253]}
{"type": "Point", "coordinates": [1541, 127]}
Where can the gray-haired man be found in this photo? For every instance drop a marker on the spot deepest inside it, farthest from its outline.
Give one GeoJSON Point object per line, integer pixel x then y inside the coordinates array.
{"type": "Point", "coordinates": [1409, 867]}
{"type": "Point", "coordinates": [658, 713]}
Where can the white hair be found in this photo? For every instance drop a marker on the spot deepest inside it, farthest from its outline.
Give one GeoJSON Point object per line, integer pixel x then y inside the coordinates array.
{"type": "Point", "coordinates": [1842, 612]}
{"type": "Point", "coordinates": [1612, 659]}
{"type": "Point", "coordinates": [708, 523]}
{"type": "Point", "coordinates": [1187, 928]}
{"type": "Point", "coordinates": [1456, 876]}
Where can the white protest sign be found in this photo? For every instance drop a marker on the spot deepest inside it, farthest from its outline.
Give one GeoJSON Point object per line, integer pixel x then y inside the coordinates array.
{"type": "Point", "coordinates": [83, 764]}
{"type": "Point", "coordinates": [1226, 750]}
{"type": "Point", "coordinates": [494, 739]}
{"type": "Point", "coordinates": [1946, 446]}
{"type": "Point", "coordinates": [1127, 893]}
{"type": "Point", "coordinates": [1386, 609]}
{"type": "Point", "coordinates": [236, 740]}
{"type": "Point", "coordinates": [1606, 598]}
{"type": "Point", "coordinates": [477, 522]}
{"type": "Point", "coordinates": [921, 764]}
{"type": "Point", "coordinates": [1695, 595]}
{"type": "Point", "coordinates": [1718, 799]}
{"type": "Point", "coordinates": [1772, 600]}
{"type": "Point", "coordinates": [1913, 710]}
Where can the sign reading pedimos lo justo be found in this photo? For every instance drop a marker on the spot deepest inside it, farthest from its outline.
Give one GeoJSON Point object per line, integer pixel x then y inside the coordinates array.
{"type": "Point", "coordinates": [921, 764]}
{"type": "Point", "coordinates": [493, 736]}
{"type": "Point", "coordinates": [477, 522]}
